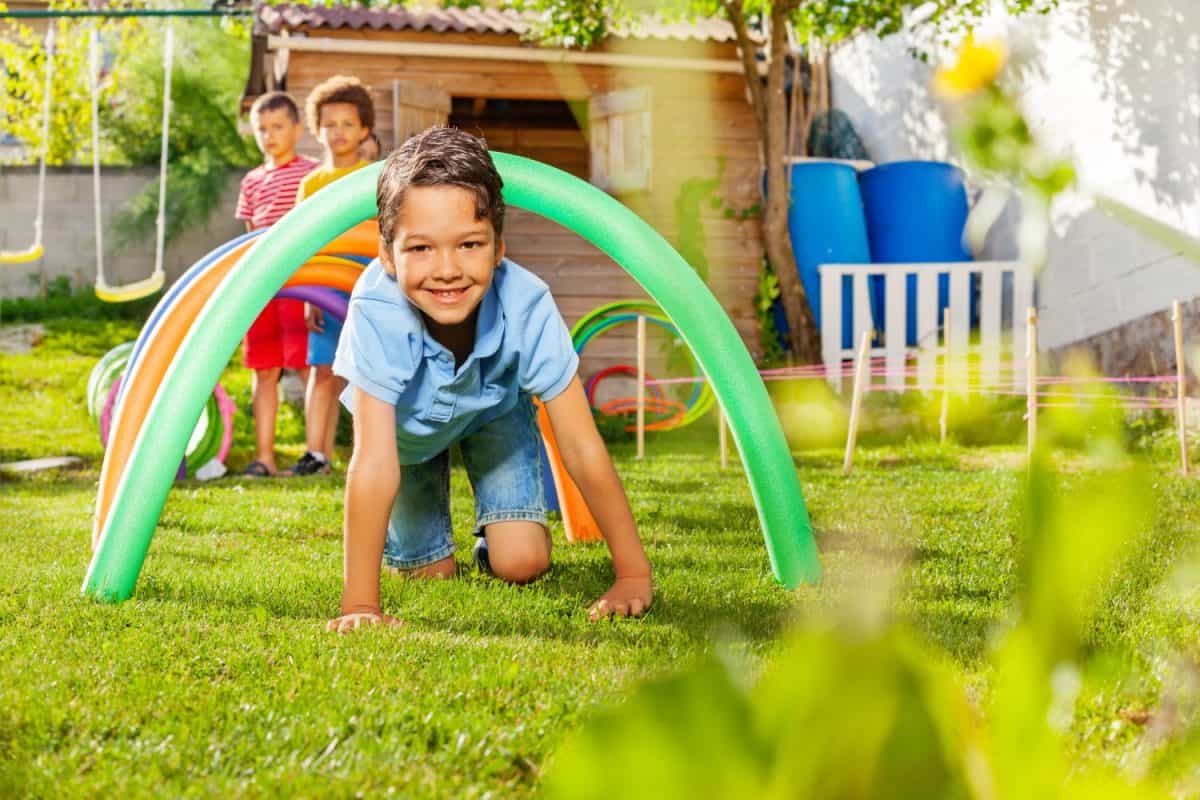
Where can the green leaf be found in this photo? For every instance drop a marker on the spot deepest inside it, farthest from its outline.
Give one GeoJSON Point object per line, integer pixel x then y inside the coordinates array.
{"type": "Point", "coordinates": [684, 737]}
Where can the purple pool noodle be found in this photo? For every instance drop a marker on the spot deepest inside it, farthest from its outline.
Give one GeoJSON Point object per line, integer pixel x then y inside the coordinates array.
{"type": "Point", "coordinates": [324, 299]}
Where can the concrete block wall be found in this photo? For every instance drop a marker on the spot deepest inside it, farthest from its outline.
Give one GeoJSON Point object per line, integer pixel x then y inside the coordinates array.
{"type": "Point", "coordinates": [69, 236]}
{"type": "Point", "coordinates": [1114, 84]}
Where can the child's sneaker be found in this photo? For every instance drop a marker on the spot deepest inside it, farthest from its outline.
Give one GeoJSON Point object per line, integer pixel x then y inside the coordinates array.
{"type": "Point", "coordinates": [481, 556]}
{"type": "Point", "coordinates": [310, 464]}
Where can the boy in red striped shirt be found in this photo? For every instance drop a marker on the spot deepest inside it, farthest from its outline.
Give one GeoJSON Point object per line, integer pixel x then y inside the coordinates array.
{"type": "Point", "coordinates": [278, 339]}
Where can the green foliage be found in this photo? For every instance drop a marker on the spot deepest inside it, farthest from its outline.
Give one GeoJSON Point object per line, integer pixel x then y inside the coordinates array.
{"type": "Point", "coordinates": [837, 715]}
{"type": "Point", "coordinates": [994, 135]}
{"type": "Point", "coordinates": [23, 58]}
{"type": "Point", "coordinates": [845, 712]}
{"type": "Point", "coordinates": [572, 23]}
{"type": "Point", "coordinates": [612, 427]}
{"type": "Point", "coordinates": [63, 302]}
{"type": "Point", "coordinates": [582, 23]}
{"type": "Point", "coordinates": [693, 196]}
{"type": "Point", "coordinates": [208, 76]}
{"type": "Point", "coordinates": [218, 678]}
{"type": "Point", "coordinates": [768, 334]}
{"type": "Point", "coordinates": [206, 147]}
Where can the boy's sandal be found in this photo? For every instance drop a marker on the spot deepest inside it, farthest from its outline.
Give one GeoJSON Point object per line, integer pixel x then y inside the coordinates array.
{"type": "Point", "coordinates": [257, 469]}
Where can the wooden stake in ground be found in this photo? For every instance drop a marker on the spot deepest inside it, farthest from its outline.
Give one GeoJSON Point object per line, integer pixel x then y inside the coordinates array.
{"type": "Point", "coordinates": [860, 379]}
{"type": "Point", "coordinates": [722, 437]}
{"type": "Point", "coordinates": [944, 419]}
{"type": "Point", "coordinates": [641, 386]}
{"type": "Point", "coordinates": [1180, 386]}
{"type": "Point", "coordinates": [1031, 397]}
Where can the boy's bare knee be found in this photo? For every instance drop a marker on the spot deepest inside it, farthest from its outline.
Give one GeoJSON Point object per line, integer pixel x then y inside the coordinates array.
{"type": "Point", "coordinates": [519, 565]}
{"type": "Point", "coordinates": [518, 551]}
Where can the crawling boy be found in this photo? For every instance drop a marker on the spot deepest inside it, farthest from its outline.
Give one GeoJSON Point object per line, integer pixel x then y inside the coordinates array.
{"type": "Point", "coordinates": [445, 342]}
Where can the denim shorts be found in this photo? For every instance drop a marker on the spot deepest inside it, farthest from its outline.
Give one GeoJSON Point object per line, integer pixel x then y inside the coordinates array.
{"type": "Point", "coordinates": [504, 464]}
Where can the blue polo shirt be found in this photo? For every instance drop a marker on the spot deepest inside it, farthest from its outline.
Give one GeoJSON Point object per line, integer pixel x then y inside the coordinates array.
{"type": "Point", "coordinates": [521, 345]}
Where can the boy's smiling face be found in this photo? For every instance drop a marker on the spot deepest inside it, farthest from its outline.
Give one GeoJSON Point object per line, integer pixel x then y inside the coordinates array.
{"type": "Point", "coordinates": [442, 255]}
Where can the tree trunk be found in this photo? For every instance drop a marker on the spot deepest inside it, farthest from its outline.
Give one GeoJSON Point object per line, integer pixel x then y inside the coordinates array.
{"type": "Point", "coordinates": [805, 338]}
{"type": "Point", "coordinates": [770, 113]}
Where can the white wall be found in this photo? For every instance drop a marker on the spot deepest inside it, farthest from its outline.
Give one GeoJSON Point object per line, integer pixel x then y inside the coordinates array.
{"type": "Point", "coordinates": [69, 236]}
{"type": "Point", "coordinates": [1115, 83]}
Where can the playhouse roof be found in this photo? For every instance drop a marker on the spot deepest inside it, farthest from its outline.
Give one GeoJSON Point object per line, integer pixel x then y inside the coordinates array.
{"type": "Point", "coordinates": [274, 19]}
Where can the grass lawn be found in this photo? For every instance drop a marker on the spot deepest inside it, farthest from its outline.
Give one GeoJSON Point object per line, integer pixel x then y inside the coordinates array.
{"type": "Point", "coordinates": [218, 678]}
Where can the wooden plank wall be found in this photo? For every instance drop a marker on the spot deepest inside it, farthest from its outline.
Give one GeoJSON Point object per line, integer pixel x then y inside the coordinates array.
{"type": "Point", "coordinates": [702, 129]}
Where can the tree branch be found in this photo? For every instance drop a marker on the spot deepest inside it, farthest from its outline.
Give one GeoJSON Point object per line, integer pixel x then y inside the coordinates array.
{"type": "Point", "coordinates": [734, 9]}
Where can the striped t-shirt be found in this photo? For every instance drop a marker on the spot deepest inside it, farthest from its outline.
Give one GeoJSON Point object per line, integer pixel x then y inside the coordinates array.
{"type": "Point", "coordinates": [268, 194]}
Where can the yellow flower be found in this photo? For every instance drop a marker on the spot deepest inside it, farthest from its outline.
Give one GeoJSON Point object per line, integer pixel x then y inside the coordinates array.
{"type": "Point", "coordinates": [977, 67]}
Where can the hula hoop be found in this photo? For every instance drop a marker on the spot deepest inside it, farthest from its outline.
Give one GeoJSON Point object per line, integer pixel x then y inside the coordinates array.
{"type": "Point", "coordinates": [628, 405]}
{"type": "Point", "coordinates": [598, 327]}
{"type": "Point", "coordinates": [104, 375]}
{"type": "Point", "coordinates": [702, 400]}
{"type": "Point", "coordinates": [645, 306]}
{"type": "Point", "coordinates": [217, 417]}
{"type": "Point", "coordinates": [620, 369]}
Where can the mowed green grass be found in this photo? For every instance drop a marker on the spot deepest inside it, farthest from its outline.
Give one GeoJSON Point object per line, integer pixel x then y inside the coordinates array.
{"type": "Point", "coordinates": [218, 678]}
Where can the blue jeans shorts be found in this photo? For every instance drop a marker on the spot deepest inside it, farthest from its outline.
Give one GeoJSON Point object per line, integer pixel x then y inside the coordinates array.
{"type": "Point", "coordinates": [504, 464]}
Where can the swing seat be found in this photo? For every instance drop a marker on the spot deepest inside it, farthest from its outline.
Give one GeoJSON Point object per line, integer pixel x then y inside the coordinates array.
{"type": "Point", "coordinates": [131, 291]}
{"type": "Point", "coordinates": [26, 256]}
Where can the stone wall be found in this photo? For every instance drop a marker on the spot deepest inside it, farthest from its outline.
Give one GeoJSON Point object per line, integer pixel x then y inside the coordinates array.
{"type": "Point", "coordinates": [69, 237]}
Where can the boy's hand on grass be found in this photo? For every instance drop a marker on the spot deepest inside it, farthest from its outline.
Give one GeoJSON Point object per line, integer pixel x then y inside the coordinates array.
{"type": "Point", "coordinates": [628, 597]}
{"type": "Point", "coordinates": [360, 619]}
{"type": "Point", "coordinates": [314, 318]}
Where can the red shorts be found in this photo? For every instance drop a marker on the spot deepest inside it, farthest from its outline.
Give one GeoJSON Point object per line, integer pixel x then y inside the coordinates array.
{"type": "Point", "coordinates": [278, 338]}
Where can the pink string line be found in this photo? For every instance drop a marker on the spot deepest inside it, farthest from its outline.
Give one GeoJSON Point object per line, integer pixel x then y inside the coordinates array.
{"type": "Point", "coordinates": [1125, 405]}
{"type": "Point", "coordinates": [1063, 379]}
{"type": "Point", "coordinates": [994, 388]}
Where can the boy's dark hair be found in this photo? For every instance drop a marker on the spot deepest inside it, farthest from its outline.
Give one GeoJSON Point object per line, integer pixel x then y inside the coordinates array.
{"type": "Point", "coordinates": [440, 157]}
{"type": "Point", "coordinates": [340, 89]}
{"type": "Point", "coordinates": [276, 101]}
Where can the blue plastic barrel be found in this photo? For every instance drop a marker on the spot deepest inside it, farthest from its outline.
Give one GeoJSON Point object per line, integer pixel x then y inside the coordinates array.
{"type": "Point", "coordinates": [827, 226]}
{"type": "Point", "coordinates": [916, 212]}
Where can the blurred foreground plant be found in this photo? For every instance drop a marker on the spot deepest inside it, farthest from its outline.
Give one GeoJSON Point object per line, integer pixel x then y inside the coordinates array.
{"type": "Point", "coordinates": [853, 709]}
{"type": "Point", "coordinates": [991, 129]}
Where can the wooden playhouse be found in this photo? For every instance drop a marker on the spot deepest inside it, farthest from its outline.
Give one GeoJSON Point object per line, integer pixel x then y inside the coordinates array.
{"type": "Point", "coordinates": [656, 115]}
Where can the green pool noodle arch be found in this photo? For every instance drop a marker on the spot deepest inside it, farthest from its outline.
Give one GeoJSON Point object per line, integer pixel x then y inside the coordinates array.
{"type": "Point", "coordinates": [569, 201]}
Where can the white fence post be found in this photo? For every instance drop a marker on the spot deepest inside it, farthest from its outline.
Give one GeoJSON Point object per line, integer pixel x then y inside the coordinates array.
{"type": "Point", "coordinates": [895, 328]}
{"type": "Point", "coordinates": [831, 323]}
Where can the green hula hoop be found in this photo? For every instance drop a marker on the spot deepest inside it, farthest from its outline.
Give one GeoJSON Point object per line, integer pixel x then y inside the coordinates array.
{"type": "Point", "coordinates": [633, 306]}
{"type": "Point", "coordinates": [110, 365]}
{"type": "Point", "coordinates": [705, 400]}
{"type": "Point", "coordinates": [209, 444]}
{"type": "Point", "coordinates": [206, 349]}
